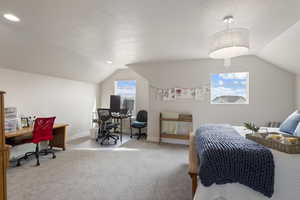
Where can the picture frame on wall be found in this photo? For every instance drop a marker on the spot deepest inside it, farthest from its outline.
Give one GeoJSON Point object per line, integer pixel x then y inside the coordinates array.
{"type": "Point", "coordinates": [199, 94]}
{"type": "Point", "coordinates": [184, 93]}
{"type": "Point", "coordinates": [229, 88]}
{"type": "Point", "coordinates": [169, 94]}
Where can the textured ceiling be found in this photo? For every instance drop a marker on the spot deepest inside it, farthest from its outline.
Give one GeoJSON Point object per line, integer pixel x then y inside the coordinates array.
{"type": "Point", "coordinates": [74, 38]}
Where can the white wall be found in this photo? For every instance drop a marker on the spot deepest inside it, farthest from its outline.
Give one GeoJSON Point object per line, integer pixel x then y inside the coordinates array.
{"type": "Point", "coordinates": [70, 101]}
{"type": "Point", "coordinates": [142, 89]}
{"type": "Point", "coordinates": [272, 95]}
{"type": "Point", "coordinates": [297, 103]}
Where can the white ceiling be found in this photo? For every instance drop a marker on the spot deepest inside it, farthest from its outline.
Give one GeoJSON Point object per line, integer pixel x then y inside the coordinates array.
{"type": "Point", "coordinates": [284, 50]}
{"type": "Point", "coordinates": [74, 38]}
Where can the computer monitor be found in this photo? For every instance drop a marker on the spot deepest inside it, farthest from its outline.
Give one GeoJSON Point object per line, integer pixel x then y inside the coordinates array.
{"type": "Point", "coordinates": [115, 103]}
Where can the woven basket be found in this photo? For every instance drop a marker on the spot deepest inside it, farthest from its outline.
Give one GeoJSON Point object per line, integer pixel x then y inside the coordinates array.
{"type": "Point", "coordinates": [276, 144]}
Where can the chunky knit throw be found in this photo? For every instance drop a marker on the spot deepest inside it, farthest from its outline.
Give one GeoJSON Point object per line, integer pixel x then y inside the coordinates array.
{"type": "Point", "coordinates": [227, 157]}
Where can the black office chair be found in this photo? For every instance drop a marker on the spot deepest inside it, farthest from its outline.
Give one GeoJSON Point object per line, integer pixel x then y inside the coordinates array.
{"type": "Point", "coordinates": [105, 126]}
{"type": "Point", "coordinates": [140, 123]}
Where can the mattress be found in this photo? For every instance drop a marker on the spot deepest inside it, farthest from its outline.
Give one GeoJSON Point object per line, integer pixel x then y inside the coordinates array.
{"type": "Point", "coordinates": [286, 187]}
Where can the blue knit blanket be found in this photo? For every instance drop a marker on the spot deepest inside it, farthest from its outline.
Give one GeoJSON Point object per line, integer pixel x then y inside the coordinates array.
{"type": "Point", "coordinates": [227, 157]}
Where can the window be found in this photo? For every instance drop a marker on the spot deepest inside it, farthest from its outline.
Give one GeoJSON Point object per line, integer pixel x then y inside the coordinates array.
{"type": "Point", "coordinates": [127, 90]}
{"type": "Point", "coordinates": [230, 88]}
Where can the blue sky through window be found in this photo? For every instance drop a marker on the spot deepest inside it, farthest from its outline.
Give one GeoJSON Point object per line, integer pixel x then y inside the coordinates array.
{"type": "Point", "coordinates": [229, 87]}
{"type": "Point", "coordinates": [125, 88]}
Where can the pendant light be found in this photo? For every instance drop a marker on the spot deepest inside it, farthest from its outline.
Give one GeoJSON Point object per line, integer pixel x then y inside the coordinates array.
{"type": "Point", "coordinates": [231, 42]}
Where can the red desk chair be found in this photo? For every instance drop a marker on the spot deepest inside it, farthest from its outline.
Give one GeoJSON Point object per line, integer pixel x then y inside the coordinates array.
{"type": "Point", "coordinates": [42, 131]}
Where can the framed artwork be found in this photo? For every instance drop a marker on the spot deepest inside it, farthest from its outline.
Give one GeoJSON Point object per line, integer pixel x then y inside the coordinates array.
{"type": "Point", "coordinates": [230, 88]}
{"type": "Point", "coordinates": [169, 94]}
{"type": "Point", "coordinates": [199, 94]}
{"type": "Point", "coordinates": [184, 93]}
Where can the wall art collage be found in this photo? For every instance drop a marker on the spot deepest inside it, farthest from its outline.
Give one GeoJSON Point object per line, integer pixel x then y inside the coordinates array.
{"type": "Point", "coordinates": [178, 93]}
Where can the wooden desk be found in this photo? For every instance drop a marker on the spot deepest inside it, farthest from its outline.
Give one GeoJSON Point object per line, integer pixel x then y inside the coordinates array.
{"type": "Point", "coordinates": [59, 133]}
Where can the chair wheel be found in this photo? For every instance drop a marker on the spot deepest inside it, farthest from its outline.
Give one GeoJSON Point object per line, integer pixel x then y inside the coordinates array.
{"type": "Point", "coordinates": [18, 164]}
{"type": "Point", "coordinates": [37, 164]}
{"type": "Point", "coordinates": [54, 156]}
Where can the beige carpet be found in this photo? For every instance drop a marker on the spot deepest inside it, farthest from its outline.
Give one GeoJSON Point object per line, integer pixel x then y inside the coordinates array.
{"type": "Point", "coordinates": [135, 171]}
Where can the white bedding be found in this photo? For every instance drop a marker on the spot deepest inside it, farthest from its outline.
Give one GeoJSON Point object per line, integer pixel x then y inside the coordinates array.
{"type": "Point", "coordinates": [286, 187]}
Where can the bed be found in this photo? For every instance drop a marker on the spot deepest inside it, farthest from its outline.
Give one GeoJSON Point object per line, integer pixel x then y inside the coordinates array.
{"type": "Point", "coordinates": [286, 180]}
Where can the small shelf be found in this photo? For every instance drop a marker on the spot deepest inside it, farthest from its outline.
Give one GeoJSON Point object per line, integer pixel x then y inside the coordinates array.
{"type": "Point", "coordinates": [176, 120]}
{"type": "Point", "coordinates": [174, 136]}
{"type": "Point", "coordinates": [182, 118]}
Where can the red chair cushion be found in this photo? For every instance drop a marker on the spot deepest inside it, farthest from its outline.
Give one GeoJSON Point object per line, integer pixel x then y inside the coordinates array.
{"type": "Point", "coordinates": [43, 129]}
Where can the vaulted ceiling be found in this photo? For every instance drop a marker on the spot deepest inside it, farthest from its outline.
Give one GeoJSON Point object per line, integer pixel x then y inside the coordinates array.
{"type": "Point", "coordinates": [284, 50]}
{"type": "Point", "coordinates": [74, 38]}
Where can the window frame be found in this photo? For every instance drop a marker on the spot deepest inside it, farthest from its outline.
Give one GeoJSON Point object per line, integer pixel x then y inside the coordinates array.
{"type": "Point", "coordinates": [115, 91]}
{"type": "Point", "coordinates": [228, 103]}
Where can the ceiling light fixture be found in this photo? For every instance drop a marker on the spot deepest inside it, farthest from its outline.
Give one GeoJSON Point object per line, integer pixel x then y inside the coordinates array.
{"type": "Point", "coordinates": [109, 62]}
{"type": "Point", "coordinates": [11, 17]}
{"type": "Point", "coordinates": [229, 43]}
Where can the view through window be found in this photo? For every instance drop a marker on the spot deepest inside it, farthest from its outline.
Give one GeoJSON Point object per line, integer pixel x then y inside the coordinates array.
{"type": "Point", "coordinates": [230, 88]}
{"type": "Point", "coordinates": [127, 90]}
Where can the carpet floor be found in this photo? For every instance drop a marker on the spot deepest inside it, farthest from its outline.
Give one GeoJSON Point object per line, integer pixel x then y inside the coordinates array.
{"type": "Point", "coordinates": [134, 171]}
